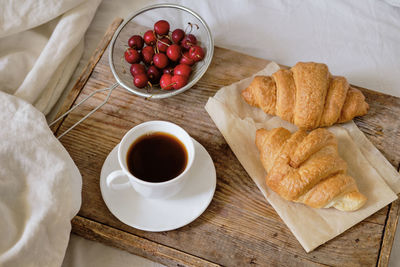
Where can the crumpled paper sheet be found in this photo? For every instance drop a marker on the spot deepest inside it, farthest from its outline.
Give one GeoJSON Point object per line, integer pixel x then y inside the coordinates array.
{"type": "Point", "coordinates": [375, 176]}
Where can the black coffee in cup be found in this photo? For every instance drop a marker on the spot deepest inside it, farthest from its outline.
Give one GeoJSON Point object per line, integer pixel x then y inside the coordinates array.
{"type": "Point", "coordinates": [157, 157]}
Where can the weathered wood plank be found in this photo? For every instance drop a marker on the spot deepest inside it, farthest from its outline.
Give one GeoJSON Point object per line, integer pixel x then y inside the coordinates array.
{"type": "Point", "coordinates": [136, 245]}
{"type": "Point", "coordinates": [239, 228]}
{"type": "Point", "coordinates": [382, 124]}
{"type": "Point", "coordinates": [390, 232]}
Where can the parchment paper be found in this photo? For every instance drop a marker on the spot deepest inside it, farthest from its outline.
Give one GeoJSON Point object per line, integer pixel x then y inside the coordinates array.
{"type": "Point", "coordinates": [375, 176]}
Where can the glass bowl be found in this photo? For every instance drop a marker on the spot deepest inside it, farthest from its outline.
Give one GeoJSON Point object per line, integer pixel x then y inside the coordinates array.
{"type": "Point", "coordinates": [143, 20]}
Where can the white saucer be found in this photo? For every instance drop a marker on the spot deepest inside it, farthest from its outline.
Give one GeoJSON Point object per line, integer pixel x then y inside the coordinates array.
{"type": "Point", "coordinates": [162, 215]}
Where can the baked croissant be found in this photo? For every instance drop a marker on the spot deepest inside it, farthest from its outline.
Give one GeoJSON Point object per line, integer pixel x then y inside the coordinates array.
{"type": "Point", "coordinates": [306, 168]}
{"type": "Point", "coordinates": [306, 95]}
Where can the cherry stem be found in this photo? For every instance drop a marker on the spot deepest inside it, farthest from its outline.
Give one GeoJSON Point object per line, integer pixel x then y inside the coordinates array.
{"type": "Point", "coordinates": [191, 27]}
{"type": "Point", "coordinates": [171, 84]}
{"type": "Point", "coordinates": [151, 87]}
{"type": "Point", "coordinates": [123, 65]}
{"type": "Point", "coordinates": [163, 42]}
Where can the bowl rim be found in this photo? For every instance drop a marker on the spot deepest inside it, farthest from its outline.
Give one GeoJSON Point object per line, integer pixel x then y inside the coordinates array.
{"type": "Point", "coordinates": [207, 59]}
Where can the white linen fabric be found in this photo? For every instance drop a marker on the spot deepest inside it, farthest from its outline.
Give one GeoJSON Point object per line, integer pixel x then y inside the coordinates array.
{"type": "Point", "coordinates": [41, 42]}
{"type": "Point", "coordinates": [39, 188]}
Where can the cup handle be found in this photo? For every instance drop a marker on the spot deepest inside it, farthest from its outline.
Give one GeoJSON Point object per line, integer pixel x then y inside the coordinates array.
{"type": "Point", "coordinates": [114, 175]}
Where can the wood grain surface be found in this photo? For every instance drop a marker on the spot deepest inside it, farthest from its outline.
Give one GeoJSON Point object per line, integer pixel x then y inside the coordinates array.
{"type": "Point", "coordinates": [389, 231]}
{"type": "Point", "coordinates": [239, 228]}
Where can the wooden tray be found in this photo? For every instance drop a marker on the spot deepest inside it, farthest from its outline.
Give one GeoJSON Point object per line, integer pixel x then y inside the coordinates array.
{"type": "Point", "coordinates": [239, 228]}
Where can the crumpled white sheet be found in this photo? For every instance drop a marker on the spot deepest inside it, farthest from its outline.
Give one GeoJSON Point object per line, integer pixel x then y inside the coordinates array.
{"type": "Point", "coordinates": [40, 188]}
{"type": "Point", "coordinates": [41, 42]}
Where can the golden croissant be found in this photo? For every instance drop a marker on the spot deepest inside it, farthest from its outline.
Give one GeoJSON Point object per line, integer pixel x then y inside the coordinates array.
{"type": "Point", "coordinates": [306, 95]}
{"type": "Point", "coordinates": [306, 167]}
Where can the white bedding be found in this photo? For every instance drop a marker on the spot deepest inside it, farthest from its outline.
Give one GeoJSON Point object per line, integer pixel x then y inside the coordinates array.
{"type": "Point", "coordinates": [40, 46]}
{"type": "Point", "coordinates": [41, 42]}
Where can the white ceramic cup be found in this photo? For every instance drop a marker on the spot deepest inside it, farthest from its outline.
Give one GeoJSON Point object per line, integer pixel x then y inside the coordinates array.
{"type": "Point", "coordinates": [149, 189]}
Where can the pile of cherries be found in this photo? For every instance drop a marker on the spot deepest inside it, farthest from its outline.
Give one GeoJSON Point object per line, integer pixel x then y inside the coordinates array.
{"type": "Point", "coordinates": [168, 59]}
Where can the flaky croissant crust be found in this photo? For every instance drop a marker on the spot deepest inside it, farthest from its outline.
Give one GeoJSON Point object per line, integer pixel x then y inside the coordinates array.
{"type": "Point", "coordinates": [306, 95]}
{"type": "Point", "coordinates": [306, 168]}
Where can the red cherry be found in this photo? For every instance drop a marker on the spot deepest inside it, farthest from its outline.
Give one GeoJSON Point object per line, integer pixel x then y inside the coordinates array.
{"type": "Point", "coordinates": [185, 59]}
{"type": "Point", "coordinates": [174, 52]}
{"type": "Point", "coordinates": [154, 74]}
{"type": "Point", "coordinates": [189, 41]}
{"type": "Point", "coordinates": [179, 81]}
{"type": "Point", "coordinates": [183, 70]}
{"type": "Point", "coordinates": [160, 60]}
{"type": "Point", "coordinates": [149, 37]}
{"type": "Point", "coordinates": [163, 44]}
{"type": "Point", "coordinates": [136, 42]}
{"type": "Point", "coordinates": [177, 35]}
{"type": "Point", "coordinates": [132, 56]}
{"type": "Point", "coordinates": [137, 69]}
{"type": "Point", "coordinates": [196, 53]}
{"type": "Point", "coordinates": [161, 27]}
{"type": "Point", "coordinates": [166, 82]}
{"type": "Point", "coordinates": [168, 70]}
{"type": "Point", "coordinates": [140, 80]}
{"type": "Point", "coordinates": [148, 53]}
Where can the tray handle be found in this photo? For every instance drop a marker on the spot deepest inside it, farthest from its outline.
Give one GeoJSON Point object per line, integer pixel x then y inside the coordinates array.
{"type": "Point", "coordinates": [109, 89]}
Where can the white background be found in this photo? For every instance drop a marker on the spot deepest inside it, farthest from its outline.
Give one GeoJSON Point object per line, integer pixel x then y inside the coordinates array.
{"type": "Point", "coordinates": [357, 39]}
